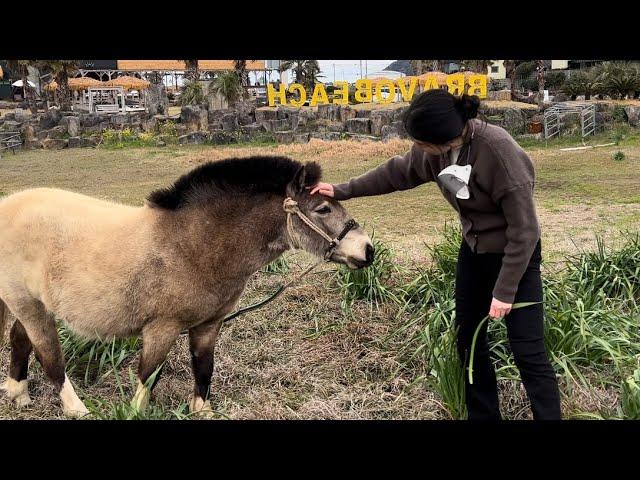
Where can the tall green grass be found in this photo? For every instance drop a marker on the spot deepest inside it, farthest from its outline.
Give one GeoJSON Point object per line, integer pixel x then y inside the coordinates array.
{"type": "Point", "coordinates": [371, 284]}
{"type": "Point", "coordinates": [592, 322]}
{"type": "Point", "coordinates": [93, 360]}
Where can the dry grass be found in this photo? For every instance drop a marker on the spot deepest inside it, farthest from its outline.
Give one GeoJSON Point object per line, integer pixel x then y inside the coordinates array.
{"type": "Point", "coordinates": [301, 357]}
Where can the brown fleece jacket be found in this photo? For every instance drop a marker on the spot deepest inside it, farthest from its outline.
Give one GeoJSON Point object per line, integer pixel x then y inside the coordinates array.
{"type": "Point", "coordinates": [500, 215]}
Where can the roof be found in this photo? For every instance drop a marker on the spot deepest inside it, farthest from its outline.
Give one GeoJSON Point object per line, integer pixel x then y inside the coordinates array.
{"type": "Point", "coordinates": [141, 65]}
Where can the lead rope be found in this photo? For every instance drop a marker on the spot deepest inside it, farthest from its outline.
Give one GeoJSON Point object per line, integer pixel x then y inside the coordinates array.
{"type": "Point", "coordinates": [291, 207]}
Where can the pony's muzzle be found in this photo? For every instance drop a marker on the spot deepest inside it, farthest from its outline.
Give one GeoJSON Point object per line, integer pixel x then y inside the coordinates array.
{"type": "Point", "coordinates": [369, 256]}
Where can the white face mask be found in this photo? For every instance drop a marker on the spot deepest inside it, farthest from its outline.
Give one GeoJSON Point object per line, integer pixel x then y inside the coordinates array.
{"type": "Point", "coordinates": [456, 179]}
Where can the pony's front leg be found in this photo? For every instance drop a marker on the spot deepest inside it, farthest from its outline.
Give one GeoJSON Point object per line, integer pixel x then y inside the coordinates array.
{"type": "Point", "coordinates": [157, 339]}
{"type": "Point", "coordinates": [202, 340]}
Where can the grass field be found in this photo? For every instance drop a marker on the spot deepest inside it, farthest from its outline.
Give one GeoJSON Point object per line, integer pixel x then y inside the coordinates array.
{"type": "Point", "coordinates": [305, 356]}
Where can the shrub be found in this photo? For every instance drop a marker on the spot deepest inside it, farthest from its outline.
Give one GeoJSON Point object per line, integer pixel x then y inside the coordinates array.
{"type": "Point", "coordinates": [192, 93]}
{"type": "Point", "coordinates": [618, 156]}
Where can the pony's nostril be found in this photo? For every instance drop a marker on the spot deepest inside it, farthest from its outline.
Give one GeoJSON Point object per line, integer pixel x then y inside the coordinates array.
{"type": "Point", "coordinates": [369, 253]}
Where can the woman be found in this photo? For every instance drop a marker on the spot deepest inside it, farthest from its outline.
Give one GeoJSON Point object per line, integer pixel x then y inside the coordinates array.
{"type": "Point", "coordinates": [499, 259]}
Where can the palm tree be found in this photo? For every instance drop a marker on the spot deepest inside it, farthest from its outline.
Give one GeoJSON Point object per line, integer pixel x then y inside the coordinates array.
{"type": "Point", "coordinates": [61, 70]}
{"type": "Point", "coordinates": [540, 68]}
{"type": "Point", "coordinates": [478, 66]}
{"type": "Point", "coordinates": [229, 86]}
{"type": "Point", "coordinates": [305, 71]}
{"type": "Point", "coordinates": [21, 67]}
{"type": "Point", "coordinates": [510, 70]}
{"type": "Point", "coordinates": [191, 72]}
{"type": "Point", "coordinates": [240, 67]}
{"type": "Point", "coordinates": [192, 93]}
{"type": "Point", "coordinates": [421, 66]}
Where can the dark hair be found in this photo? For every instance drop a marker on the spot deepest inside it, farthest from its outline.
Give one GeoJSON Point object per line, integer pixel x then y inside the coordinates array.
{"type": "Point", "coordinates": [249, 175]}
{"type": "Point", "coordinates": [437, 117]}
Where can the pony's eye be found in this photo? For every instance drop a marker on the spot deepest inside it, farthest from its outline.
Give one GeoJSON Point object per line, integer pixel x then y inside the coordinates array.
{"type": "Point", "coordinates": [323, 210]}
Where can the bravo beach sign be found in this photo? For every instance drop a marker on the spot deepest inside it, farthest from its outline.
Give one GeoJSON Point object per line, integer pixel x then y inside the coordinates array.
{"type": "Point", "coordinates": [378, 90]}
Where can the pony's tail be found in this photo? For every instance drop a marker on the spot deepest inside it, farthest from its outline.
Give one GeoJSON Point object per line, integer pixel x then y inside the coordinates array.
{"type": "Point", "coordinates": [4, 315]}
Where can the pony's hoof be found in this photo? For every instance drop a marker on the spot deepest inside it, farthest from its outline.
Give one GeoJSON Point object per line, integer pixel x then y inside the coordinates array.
{"type": "Point", "coordinates": [201, 408]}
{"type": "Point", "coordinates": [17, 392]}
{"type": "Point", "coordinates": [78, 411]}
{"type": "Point", "coordinates": [23, 400]}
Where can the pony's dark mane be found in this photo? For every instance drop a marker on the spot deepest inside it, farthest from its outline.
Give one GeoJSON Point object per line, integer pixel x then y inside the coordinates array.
{"type": "Point", "coordinates": [249, 175]}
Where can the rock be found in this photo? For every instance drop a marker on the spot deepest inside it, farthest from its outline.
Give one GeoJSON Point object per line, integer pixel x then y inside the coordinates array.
{"type": "Point", "coordinates": [399, 126]}
{"type": "Point", "coordinates": [181, 129]}
{"type": "Point", "coordinates": [253, 128]}
{"type": "Point", "coordinates": [326, 135]}
{"type": "Point", "coordinates": [329, 111]}
{"type": "Point", "coordinates": [11, 116]}
{"type": "Point", "coordinates": [363, 113]}
{"type": "Point", "coordinates": [89, 120]}
{"type": "Point", "coordinates": [264, 114]}
{"type": "Point", "coordinates": [362, 138]}
{"type": "Point", "coordinates": [308, 115]}
{"type": "Point", "coordinates": [34, 144]}
{"type": "Point", "coordinates": [398, 113]}
{"type": "Point", "coordinates": [71, 125]}
{"type": "Point", "coordinates": [215, 116]}
{"type": "Point", "coordinates": [160, 143]}
{"type": "Point", "coordinates": [193, 138]}
{"type": "Point", "coordinates": [229, 122]}
{"type": "Point", "coordinates": [50, 119]}
{"type": "Point", "coordinates": [277, 125]}
{"type": "Point", "coordinates": [82, 142]}
{"type": "Point", "coordinates": [155, 99]}
{"type": "Point", "coordinates": [21, 115]}
{"type": "Point", "coordinates": [194, 118]}
{"type": "Point", "coordinates": [54, 133]}
{"type": "Point", "coordinates": [500, 95]}
{"type": "Point", "coordinates": [28, 133]}
{"type": "Point", "coordinates": [99, 128]}
{"type": "Point", "coordinates": [301, 138]}
{"type": "Point", "coordinates": [284, 112]}
{"type": "Point", "coordinates": [346, 112]}
{"type": "Point", "coordinates": [633, 115]}
{"type": "Point", "coordinates": [11, 126]}
{"type": "Point", "coordinates": [285, 136]}
{"type": "Point", "coordinates": [380, 118]}
{"type": "Point", "coordinates": [119, 119]}
{"type": "Point", "coordinates": [389, 132]}
{"type": "Point", "coordinates": [335, 127]}
{"type": "Point", "coordinates": [54, 143]}
{"type": "Point", "coordinates": [358, 125]}
{"type": "Point", "coordinates": [150, 125]}
{"type": "Point", "coordinates": [513, 121]}
{"type": "Point", "coordinates": [221, 138]}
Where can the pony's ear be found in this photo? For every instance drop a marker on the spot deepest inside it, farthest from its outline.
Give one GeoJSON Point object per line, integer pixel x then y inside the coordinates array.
{"type": "Point", "coordinates": [296, 185]}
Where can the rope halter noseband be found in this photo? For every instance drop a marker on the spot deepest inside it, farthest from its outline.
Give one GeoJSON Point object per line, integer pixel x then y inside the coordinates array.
{"type": "Point", "coordinates": [291, 207]}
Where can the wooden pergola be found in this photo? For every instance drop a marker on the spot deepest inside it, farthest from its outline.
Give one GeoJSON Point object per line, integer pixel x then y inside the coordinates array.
{"type": "Point", "coordinates": [91, 93]}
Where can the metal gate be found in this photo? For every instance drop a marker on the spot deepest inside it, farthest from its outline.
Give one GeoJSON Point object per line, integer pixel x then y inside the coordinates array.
{"type": "Point", "coordinates": [553, 117]}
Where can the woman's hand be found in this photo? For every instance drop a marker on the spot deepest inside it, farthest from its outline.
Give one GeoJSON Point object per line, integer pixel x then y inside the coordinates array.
{"type": "Point", "coordinates": [499, 309]}
{"type": "Point", "coordinates": [322, 188]}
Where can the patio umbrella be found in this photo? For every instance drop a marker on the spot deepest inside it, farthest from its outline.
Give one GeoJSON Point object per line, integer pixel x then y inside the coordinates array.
{"type": "Point", "coordinates": [18, 83]}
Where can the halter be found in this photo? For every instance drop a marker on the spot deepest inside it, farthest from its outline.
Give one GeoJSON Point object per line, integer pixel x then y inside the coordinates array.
{"type": "Point", "coordinates": [291, 207]}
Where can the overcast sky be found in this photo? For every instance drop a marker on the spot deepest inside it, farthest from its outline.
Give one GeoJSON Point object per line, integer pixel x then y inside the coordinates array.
{"type": "Point", "coordinates": [349, 70]}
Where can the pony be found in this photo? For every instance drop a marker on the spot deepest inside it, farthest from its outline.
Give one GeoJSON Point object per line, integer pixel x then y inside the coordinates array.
{"type": "Point", "coordinates": [179, 262]}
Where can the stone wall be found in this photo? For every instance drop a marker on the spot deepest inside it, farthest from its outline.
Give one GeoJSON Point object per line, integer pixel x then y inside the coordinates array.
{"type": "Point", "coordinates": [198, 124]}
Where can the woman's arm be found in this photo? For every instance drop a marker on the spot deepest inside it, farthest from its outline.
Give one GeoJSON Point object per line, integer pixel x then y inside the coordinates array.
{"type": "Point", "coordinates": [513, 190]}
{"type": "Point", "coordinates": [523, 232]}
{"type": "Point", "coordinates": [398, 173]}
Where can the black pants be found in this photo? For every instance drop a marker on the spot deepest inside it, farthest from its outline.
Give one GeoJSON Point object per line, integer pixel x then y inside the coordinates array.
{"type": "Point", "coordinates": [475, 278]}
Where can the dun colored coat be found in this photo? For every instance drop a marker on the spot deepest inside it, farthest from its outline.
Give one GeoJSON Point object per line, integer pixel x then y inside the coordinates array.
{"type": "Point", "coordinates": [180, 262]}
